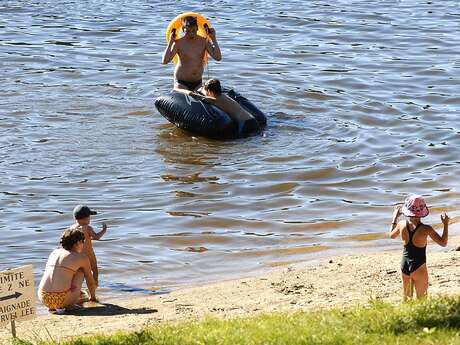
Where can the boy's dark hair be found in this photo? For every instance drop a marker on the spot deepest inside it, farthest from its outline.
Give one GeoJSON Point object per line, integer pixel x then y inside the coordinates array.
{"type": "Point", "coordinates": [189, 21]}
{"type": "Point", "coordinates": [213, 85]}
{"type": "Point", "coordinates": [71, 236]}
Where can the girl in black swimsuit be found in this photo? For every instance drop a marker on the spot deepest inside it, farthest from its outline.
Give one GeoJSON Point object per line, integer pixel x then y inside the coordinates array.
{"type": "Point", "coordinates": [414, 235]}
{"type": "Point", "coordinates": [413, 256]}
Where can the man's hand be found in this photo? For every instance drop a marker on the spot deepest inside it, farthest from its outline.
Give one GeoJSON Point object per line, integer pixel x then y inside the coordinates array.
{"type": "Point", "coordinates": [172, 37]}
{"type": "Point", "coordinates": [104, 226]}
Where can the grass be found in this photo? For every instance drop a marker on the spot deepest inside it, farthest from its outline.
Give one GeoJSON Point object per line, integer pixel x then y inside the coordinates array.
{"type": "Point", "coordinates": [433, 321]}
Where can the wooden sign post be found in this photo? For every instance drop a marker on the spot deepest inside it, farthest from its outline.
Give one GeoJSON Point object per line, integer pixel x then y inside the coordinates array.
{"type": "Point", "coordinates": [17, 296]}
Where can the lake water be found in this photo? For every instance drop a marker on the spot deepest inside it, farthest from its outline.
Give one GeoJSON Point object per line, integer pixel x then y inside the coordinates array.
{"type": "Point", "coordinates": [362, 104]}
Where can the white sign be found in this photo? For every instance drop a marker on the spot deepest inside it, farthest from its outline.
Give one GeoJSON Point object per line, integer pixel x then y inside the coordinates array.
{"type": "Point", "coordinates": [17, 294]}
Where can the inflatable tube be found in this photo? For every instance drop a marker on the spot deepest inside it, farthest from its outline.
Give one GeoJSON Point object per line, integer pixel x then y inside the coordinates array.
{"type": "Point", "coordinates": [176, 24]}
{"type": "Point", "coordinates": [204, 119]}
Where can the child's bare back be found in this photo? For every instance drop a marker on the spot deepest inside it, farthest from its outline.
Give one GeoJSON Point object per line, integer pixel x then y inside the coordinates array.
{"type": "Point", "coordinates": [231, 107]}
{"type": "Point", "coordinates": [414, 235]}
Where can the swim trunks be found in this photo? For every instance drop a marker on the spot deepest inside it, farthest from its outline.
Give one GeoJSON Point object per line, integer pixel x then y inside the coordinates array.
{"type": "Point", "coordinates": [190, 85]}
{"type": "Point", "coordinates": [413, 256]}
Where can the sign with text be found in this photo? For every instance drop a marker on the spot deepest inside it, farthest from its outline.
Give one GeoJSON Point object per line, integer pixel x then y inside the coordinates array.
{"type": "Point", "coordinates": [17, 294]}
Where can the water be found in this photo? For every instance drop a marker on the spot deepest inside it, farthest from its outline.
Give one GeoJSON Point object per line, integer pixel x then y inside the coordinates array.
{"type": "Point", "coordinates": [363, 107]}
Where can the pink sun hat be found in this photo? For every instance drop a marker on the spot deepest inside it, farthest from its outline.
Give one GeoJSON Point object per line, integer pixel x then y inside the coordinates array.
{"type": "Point", "coordinates": [415, 206]}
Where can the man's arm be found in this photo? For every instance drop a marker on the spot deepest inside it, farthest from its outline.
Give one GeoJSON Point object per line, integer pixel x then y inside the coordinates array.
{"type": "Point", "coordinates": [171, 49]}
{"type": "Point", "coordinates": [212, 47]}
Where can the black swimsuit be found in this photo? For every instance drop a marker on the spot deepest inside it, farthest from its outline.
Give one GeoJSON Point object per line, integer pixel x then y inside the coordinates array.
{"type": "Point", "coordinates": [413, 256]}
{"type": "Point", "coordinates": [191, 85]}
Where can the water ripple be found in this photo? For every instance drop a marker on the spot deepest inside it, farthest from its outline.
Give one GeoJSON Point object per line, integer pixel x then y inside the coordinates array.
{"type": "Point", "coordinates": [362, 100]}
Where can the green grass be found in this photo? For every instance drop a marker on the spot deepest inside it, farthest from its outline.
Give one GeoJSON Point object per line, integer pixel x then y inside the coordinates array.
{"type": "Point", "coordinates": [433, 321]}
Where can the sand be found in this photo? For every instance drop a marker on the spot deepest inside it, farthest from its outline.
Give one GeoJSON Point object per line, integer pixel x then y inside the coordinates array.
{"type": "Point", "coordinates": [338, 281]}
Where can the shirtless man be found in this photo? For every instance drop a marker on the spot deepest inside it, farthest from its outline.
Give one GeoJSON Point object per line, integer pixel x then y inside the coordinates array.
{"type": "Point", "coordinates": [191, 49]}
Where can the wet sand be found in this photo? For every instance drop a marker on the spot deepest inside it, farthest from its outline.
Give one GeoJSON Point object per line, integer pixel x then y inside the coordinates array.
{"type": "Point", "coordinates": [338, 281]}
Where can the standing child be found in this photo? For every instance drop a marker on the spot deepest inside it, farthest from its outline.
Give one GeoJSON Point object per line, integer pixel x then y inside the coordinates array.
{"type": "Point", "coordinates": [82, 215]}
{"type": "Point", "coordinates": [414, 235]}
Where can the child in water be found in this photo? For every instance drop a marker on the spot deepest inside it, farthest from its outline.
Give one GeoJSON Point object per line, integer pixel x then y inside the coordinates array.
{"type": "Point", "coordinates": [414, 236]}
{"type": "Point", "coordinates": [82, 215]}
{"type": "Point", "coordinates": [213, 91]}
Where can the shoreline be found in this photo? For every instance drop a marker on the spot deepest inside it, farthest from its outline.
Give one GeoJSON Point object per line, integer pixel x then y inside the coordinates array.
{"type": "Point", "coordinates": [335, 281]}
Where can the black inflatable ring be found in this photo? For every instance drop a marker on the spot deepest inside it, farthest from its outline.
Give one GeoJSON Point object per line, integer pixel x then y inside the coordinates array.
{"type": "Point", "coordinates": [204, 119]}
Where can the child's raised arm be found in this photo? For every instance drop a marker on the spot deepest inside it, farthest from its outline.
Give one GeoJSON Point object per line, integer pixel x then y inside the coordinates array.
{"type": "Point", "coordinates": [394, 228]}
{"type": "Point", "coordinates": [97, 236]}
{"type": "Point", "coordinates": [441, 240]}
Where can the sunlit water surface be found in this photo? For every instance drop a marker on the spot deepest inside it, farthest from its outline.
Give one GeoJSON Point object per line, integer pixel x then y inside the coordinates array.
{"type": "Point", "coordinates": [362, 101]}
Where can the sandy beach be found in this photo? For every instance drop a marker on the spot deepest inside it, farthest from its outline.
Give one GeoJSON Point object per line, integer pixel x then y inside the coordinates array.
{"type": "Point", "coordinates": [338, 281]}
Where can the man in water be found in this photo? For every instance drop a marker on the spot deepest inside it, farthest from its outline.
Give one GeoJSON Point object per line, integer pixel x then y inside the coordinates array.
{"type": "Point", "coordinates": [191, 49]}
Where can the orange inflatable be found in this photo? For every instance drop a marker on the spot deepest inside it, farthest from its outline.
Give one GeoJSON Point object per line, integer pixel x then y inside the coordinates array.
{"type": "Point", "coordinates": [176, 23]}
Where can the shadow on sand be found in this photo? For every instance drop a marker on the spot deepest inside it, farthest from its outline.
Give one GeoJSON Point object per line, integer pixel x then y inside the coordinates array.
{"type": "Point", "coordinates": [108, 309]}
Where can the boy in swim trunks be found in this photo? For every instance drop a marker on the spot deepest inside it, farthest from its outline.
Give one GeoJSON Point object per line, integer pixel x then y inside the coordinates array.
{"type": "Point", "coordinates": [414, 235]}
{"type": "Point", "coordinates": [82, 215]}
{"type": "Point", "coordinates": [191, 49]}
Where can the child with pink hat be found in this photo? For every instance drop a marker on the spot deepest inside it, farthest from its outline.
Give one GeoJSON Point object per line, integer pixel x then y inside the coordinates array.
{"type": "Point", "coordinates": [414, 235]}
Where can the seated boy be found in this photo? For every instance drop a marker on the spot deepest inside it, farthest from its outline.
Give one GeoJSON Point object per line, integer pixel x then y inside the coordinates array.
{"type": "Point", "coordinates": [214, 95]}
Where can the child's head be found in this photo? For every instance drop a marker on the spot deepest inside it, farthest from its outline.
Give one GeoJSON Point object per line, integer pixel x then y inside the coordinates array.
{"type": "Point", "coordinates": [190, 26]}
{"type": "Point", "coordinates": [70, 237]}
{"type": "Point", "coordinates": [82, 214]}
{"type": "Point", "coordinates": [415, 207]}
{"type": "Point", "coordinates": [212, 87]}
